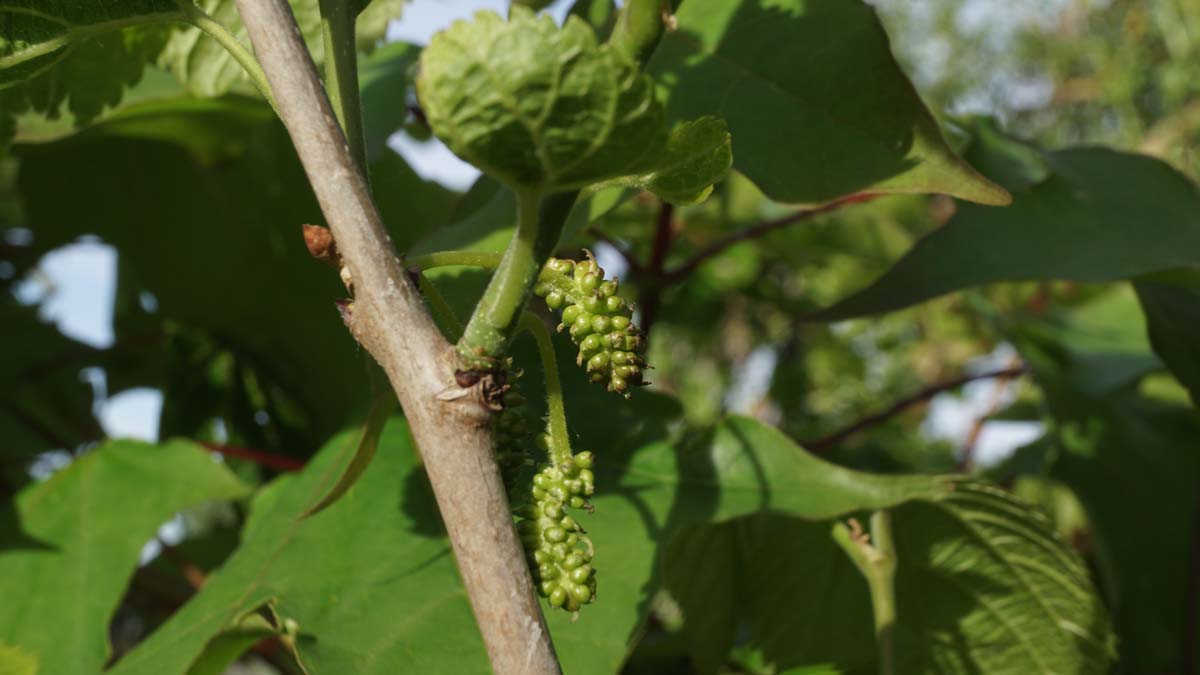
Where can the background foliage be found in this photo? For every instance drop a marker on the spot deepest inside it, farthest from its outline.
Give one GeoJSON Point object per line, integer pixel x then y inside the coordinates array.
{"type": "Point", "coordinates": [801, 320]}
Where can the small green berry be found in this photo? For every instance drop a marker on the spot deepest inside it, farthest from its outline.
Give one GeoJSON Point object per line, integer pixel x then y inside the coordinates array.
{"type": "Point", "coordinates": [558, 597]}
{"type": "Point", "coordinates": [598, 320]}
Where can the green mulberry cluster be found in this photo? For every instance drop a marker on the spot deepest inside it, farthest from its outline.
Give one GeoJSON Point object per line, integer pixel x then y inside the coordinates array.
{"type": "Point", "coordinates": [598, 320]}
{"type": "Point", "coordinates": [559, 551]}
{"type": "Point", "coordinates": [512, 437]}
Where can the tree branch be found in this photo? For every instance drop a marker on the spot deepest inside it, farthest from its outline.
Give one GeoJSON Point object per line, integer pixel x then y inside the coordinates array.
{"type": "Point", "coordinates": [824, 443]}
{"type": "Point", "coordinates": [756, 231]}
{"type": "Point", "coordinates": [451, 425]}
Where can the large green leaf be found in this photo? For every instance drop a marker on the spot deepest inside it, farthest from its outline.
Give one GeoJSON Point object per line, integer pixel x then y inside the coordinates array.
{"type": "Point", "coordinates": [1132, 461]}
{"type": "Point", "coordinates": [211, 200]}
{"type": "Point", "coordinates": [16, 661]}
{"type": "Point", "coordinates": [698, 154]}
{"type": "Point", "coordinates": [81, 54]}
{"type": "Point", "coordinates": [36, 34]}
{"type": "Point", "coordinates": [817, 106]}
{"type": "Point", "coordinates": [538, 107]}
{"type": "Point", "coordinates": [89, 523]}
{"type": "Point", "coordinates": [77, 57]}
{"type": "Point", "coordinates": [982, 586]}
{"type": "Point", "coordinates": [93, 76]}
{"type": "Point", "coordinates": [384, 79]}
{"type": "Point", "coordinates": [1101, 215]}
{"type": "Point", "coordinates": [208, 69]}
{"type": "Point", "coordinates": [1171, 303]}
{"type": "Point", "coordinates": [370, 581]}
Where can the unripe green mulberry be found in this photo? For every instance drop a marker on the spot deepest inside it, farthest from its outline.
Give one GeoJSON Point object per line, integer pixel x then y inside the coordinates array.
{"type": "Point", "coordinates": [512, 435]}
{"type": "Point", "coordinates": [599, 321]}
{"type": "Point", "coordinates": [559, 551]}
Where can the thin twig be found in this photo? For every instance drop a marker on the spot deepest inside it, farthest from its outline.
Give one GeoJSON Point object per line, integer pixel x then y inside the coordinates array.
{"type": "Point", "coordinates": [826, 442]}
{"type": "Point", "coordinates": [260, 457]}
{"type": "Point", "coordinates": [967, 461]}
{"type": "Point", "coordinates": [450, 423]}
{"type": "Point", "coordinates": [756, 231]}
{"type": "Point", "coordinates": [48, 434]}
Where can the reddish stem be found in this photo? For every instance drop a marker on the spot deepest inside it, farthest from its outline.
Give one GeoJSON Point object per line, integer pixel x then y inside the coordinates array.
{"type": "Point", "coordinates": [756, 231]}
{"type": "Point", "coordinates": [259, 457]}
{"type": "Point", "coordinates": [651, 296]}
{"type": "Point", "coordinates": [820, 445]}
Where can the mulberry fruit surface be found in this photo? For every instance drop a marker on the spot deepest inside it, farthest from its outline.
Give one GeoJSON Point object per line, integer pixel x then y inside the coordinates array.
{"type": "Point", "coordinates": [599, 321]}
{"type": "Point", "coordinates": [559, 551]}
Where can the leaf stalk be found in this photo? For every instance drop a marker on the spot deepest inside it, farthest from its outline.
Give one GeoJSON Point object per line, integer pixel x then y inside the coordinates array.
{"type": "Point", "coordinates": [216, 30]}
{"type": "Point", "coordinates": [494, 321]}
{"type": "Point", "coordinates": [560, 441]}
{"type": "Point", "coordinates": [877, 563]}
{"type": "Point", "coordinates": [341, 73]}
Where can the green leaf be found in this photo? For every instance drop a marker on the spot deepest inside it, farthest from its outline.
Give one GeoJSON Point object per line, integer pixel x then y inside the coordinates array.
{"type": "Point", "coordinates": [39, 33]}
{"type": "Point", "coordinates": [411, 206]}
{"type": "Point", "coordinates": [822, 669]}
{"type": "Point", "coordinates": [1010, 596]}
{"type": "Point", "coordinates": [698, 155]}
{"type": "Point", "coordinates": [77, 58]}
{"type": "Point", "coordinates": [209, 224]}
{"type": "Point", "coordinates": [982, 586]}
{"type": "Point", "coordinates": [383, 78]}
{"type": "Point", "coordinates": [90, 75]}
{"type": "Point", "coordinates": [370, 582]}
{"type": "Point", "coordinates": [1171, 303]}
{"type": "Point", "coordinates": [1009, 161]}
{"type": "Point", "coordinates": [364, 452]}
{"type": "Point", "coordinates": [92, 520]}
{"type": "Point", "coordinates": [601, 15]}
{"type": "Point", "coordinates": [1132, 462]}
{"type": "Point", "coordinates": [370, 27]}
{"type": "Point", "coordinates": [1098, 349]}
{"type": "Point", "coordinates": [1102, 215]}
{"type": "Point", "coordinates": [155, 84]}
{"type": "Point", "coordinates": [229, 646]}
{"type": "Point", "coordinates": [538, 107]}
{"type": "Point", "coordinates": [207, 69]}
{"type": "Point", "coordinates": [818, 107]}
{"type": "Point", "coordinates": [16, 661]}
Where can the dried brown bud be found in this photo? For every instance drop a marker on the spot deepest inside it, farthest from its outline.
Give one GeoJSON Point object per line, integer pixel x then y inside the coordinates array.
{"type": "Point", "coordinates": [320, 244]}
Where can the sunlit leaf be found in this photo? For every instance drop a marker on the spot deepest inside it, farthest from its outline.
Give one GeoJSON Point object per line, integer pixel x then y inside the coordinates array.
{"type": "Point", "coordinates": [816, 104]}
{"type": "Point", "coordinates": [536, 106]}
{"type": "Point", "coordinates": [1102, 215]}
{"type": "Point", "coordinates": [698, 155]}
{"type": "Point", "coordinates": [90, 522]}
